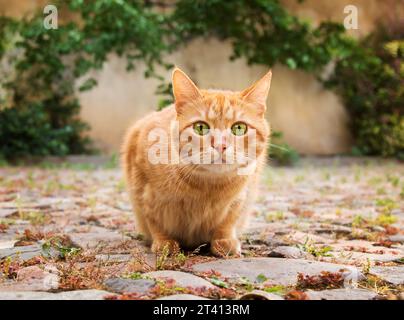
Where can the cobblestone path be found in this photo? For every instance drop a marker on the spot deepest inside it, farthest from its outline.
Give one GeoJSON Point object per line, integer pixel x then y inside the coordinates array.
{"type": "Point", "coordinates": [326, 229]}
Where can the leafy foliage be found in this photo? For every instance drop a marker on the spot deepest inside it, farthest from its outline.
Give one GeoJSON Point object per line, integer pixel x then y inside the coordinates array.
{"type": "Point", "coordinates": [39, 113]}
{"type": "Point", "coordinates": [325, 280]}
{"type": "Point", "coordinates": [261, 31]}
{"type": "Point", "coordinates": [371, 82]}
{"type": "Point", "coordinates": [281, 151]}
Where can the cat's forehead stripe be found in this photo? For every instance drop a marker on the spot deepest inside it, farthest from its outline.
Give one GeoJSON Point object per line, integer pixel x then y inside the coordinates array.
{"type": "Point", "coordinates": [212, 112]}
{"type": "Point", "coordinates": [229, 113]}
{"type": "Point", "coordinates": [221, 106]}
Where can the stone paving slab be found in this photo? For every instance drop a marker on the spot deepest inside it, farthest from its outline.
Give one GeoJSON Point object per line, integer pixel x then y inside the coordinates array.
{"type": "Point", "coordinates": [100, 237]}
{"type": "Point", "coordinates": [23, 253]}
{"type": "Point", "coordinates": [181, 279]}
{"type": "Point", "coordinates": [260, 295]}
{"type": "Point", "coordinates": [68, 295]}
{"type": "Point", "coordinates": [33, 278]}
{"type": "Point", "coordinates": [394, 275]}
{"type": "Point", "coordinates": [122, 285]}
{"type": "Point", "coordinates": [342, 294]}
{"type": "Point", "coordinates": [277, 271]}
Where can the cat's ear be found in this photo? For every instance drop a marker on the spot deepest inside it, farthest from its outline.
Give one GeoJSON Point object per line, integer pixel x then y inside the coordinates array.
{"type": "Point", "coordinates": [184, 90]}
{"type": "Point", "coordinates": [257, 94]}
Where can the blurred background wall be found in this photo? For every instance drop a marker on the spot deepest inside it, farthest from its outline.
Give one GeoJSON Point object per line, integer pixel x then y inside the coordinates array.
{"type": "Point", "coordinates": [312, 119]}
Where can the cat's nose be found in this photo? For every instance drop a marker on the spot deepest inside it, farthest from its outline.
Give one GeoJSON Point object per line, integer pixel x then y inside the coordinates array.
{"type": "Point", "coordinates": [221, 147]}
{"type": "Point", "coordinates": [219, 143]}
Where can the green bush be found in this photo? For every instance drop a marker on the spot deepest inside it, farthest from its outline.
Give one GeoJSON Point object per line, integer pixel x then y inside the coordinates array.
{"type": "Point", "coordinates": [280, 151]}
{"type": "Point", "coordinates": [39, 109]}
{"type": "Point", "coordinates": [29, 132]}
{"type": "Point", "coordinates": [371, 82]}
{"type": "Point", "coordinates": [261, 31]}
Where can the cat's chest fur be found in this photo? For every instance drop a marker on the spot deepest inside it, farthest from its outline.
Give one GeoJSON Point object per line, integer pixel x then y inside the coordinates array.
{"type": "Point", "coordinates": [191, 211]}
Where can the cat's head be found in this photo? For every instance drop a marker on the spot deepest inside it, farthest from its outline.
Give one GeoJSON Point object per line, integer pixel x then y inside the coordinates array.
{"type": "Point", "coordinates": [221, 131]}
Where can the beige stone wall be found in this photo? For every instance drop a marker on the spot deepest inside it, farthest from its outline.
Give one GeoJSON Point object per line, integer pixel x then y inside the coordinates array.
{"type": "Point", "coordinates": [18, 8]}
{"type": "Point", "coordinates": [312, 119]}
{"type": "Point", "coordinates": [370, 11]}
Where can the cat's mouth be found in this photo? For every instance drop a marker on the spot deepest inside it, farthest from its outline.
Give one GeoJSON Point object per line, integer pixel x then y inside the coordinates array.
{"type": "Point", "coordinates": [220, 160]}
{"type": "Point", "coordinates": [217, 163]}
{"type": "Point", "coordinates": [218, 168]}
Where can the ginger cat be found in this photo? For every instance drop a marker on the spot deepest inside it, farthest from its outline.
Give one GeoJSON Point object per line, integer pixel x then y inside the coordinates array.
{"type": "Point", "coordinates": [206, 199]}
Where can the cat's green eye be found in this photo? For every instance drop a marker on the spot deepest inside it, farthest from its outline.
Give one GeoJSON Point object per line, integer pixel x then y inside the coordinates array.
{"type": "Point", "coordinates": [201, 128]}
{"type": "Point", "coordinates": [239, 129]}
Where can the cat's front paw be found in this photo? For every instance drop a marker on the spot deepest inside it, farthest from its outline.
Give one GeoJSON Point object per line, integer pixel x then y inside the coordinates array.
{"type": "Point", "coordinates": [171, 246]}
{"type": "Point", "coordinates": [226, 247]}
